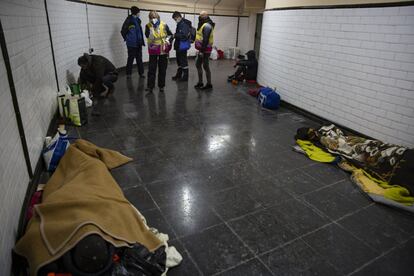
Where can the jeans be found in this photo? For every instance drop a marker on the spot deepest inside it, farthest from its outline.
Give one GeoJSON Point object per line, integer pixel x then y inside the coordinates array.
{"type": "Point", "coordinates": [162, 62]}
{"type": "Point", "coordinates": [202, 61]}
{"type": "Point", "coordinates": [182, 61]}
{"type": "Point", "coordinates": [134, 53]}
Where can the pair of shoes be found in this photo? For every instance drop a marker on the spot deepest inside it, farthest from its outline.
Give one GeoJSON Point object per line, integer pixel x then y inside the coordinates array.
{"type": "Point", "coordinates": [199, 85]}
{"type": "Point", "coordinates": [161, 89]}
{"type": "Point", "coordinates": [208, 86]}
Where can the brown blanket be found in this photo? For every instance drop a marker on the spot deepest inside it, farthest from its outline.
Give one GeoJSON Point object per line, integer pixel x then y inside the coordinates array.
{"type": "Point", "coordinates": [82, 198]}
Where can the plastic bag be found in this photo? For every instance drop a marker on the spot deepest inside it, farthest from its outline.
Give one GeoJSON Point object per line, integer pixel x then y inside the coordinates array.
{"type": "Point", "coordinates": [85, 95]}
{"type": "Point", "coordinates": [214, 54]}
{"type": "Point", "coordinates": [268, 98]}
{"type": "Point", "coordinates": [55, 148]}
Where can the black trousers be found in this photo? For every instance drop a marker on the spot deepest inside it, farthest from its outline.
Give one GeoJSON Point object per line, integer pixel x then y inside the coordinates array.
{"type": "Point", "coordinates": [202, 61]}
{"type": "Point", "coordinates": [182, 60]}
{"type": "Point", "coordinates": [134, 53]}
{"type": "Point", "coordinates": [240, 73]}
{"type": "Point", "coordinates": [162, 62]}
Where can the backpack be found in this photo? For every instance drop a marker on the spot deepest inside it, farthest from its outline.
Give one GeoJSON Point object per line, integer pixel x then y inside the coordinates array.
{"type": "Point", "coordinates": [193, 33]}
{"type": "Point", "coordinates": [268, 98]}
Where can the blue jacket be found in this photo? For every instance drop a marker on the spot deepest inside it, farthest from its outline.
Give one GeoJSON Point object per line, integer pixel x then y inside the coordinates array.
{"type": "Point", "coordinates": [182, 32]}
{"type": "Point", "coordinates": [132, 32]}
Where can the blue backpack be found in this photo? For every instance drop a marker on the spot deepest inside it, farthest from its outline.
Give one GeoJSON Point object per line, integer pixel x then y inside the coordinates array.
{"type": "Point", "coordinates": [268, 98]}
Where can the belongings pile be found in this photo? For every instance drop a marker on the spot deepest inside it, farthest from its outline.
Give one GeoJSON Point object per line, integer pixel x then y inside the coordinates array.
{"type": "Point", "coordinates": [385, 172]}
{"type": "Point", "coordinates": [72, 105]}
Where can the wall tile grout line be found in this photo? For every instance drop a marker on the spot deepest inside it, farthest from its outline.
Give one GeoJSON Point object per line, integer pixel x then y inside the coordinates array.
{"type": "Point", "coordinates": [15, 101]}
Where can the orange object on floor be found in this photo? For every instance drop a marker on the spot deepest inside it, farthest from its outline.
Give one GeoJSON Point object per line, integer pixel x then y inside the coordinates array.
{"type": "Point", "coordinates": [234, 82]}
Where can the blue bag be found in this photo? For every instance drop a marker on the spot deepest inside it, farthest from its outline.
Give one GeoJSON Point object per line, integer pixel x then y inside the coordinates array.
{"type": "Point", "coordinates": [54, 150]}
{"type": "Point", "coordinates": [268, 98]}
{"type": "Point", "coordinates": [184, 45]}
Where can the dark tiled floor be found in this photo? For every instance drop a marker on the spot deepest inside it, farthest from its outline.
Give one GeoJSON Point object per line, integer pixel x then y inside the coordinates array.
{"type": "Point", "coordinates": [217, 173]}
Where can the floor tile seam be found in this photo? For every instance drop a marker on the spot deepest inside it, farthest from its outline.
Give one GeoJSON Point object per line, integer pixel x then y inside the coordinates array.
{"type": "Point", "coordinates": [375, 251]}
{"type": "Point", "coordinates": [314, 208]}
{"type": "Point", "coordinates": [320, 256]}
{"type": "Point", "coordinates": [161, 212]}
{"type": "Point", "coordinates": [323, 187]}
{"type": "Point", "coordinates": [373, 260]}
{"type": "Point", "coordinates": [294, 240]}
{"type": "Point", "coordinates": [239, 264]}
{"type": "Point", "coordinates": [200, 230]}
{"type": "Point", "coordinates": [244, 244]}
{"type": "Point", "coordinates": [189, 255]}
{"type": "Point", "coordinates": [337, 221]}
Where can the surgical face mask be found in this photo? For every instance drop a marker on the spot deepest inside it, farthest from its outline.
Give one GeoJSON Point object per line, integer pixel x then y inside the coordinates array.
{"type": "Point", "coordinates": [154, 21]}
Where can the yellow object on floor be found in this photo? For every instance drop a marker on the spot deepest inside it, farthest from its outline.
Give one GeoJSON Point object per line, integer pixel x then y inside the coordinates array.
{"type": "Point", "coordinates": [315, 153]}
{"type": "Point", "coordinates": [82, 198]}
{"type": "Point", "coordinates": [375, 186]}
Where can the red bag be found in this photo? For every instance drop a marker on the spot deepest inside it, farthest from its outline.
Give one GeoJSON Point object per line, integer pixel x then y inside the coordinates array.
{"type": "Point", "coordinates": [254, 92]}
{"type": "Point", "coordinates": [220, 54]}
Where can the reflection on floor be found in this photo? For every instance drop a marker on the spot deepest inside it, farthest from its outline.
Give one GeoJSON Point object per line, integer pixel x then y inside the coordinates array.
{"type": "Point", "coordinates": [217, 174]}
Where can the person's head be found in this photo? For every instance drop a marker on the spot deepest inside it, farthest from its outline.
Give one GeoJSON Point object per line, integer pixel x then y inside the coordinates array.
{"type": "Point", "coordinates": [154, 17]}
{"type": "Point", "coordinates": [177, 16]}
{"type": "Point", "coordinates": [203, 16]}
{"type": "Point", "coordinates": [83, 62]}
{"type": "Point", "coordinates": [135, 11]}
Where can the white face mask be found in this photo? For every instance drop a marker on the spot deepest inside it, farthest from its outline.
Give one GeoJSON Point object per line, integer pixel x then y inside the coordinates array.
{"type": "Point", "coordinates": [154, 21]}
{"type": "Point", "coordinates": [178, 20]}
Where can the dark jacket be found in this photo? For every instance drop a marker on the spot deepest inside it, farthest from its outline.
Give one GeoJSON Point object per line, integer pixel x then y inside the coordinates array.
{"type": "Point", "coordinates": [251, 65]}
{"type": "Point", "coordinates": [98, 67]}
{"type": "Point", "coordinates": [207, 30]}
{"type": "Point", "coordinates": [182, 32]}
{"type": "Point", "coordinates": [132, 32]}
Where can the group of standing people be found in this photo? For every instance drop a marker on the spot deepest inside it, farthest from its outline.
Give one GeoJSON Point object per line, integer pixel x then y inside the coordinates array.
{"type": "Point", "coordinates": [160, 41]}
{"type": "Point", "coordinates": [100, 73]}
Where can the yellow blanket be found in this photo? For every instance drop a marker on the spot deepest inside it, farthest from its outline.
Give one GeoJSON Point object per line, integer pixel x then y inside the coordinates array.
{"type": "Point", "coordinates": [82, 198]}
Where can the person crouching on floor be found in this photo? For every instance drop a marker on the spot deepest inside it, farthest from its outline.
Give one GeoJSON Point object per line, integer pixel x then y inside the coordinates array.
{"type": "Point", "coordinates": [98, 72]}
{"type": "Point", "coordinates": [159, 38]}
{"type": "Point", "coordinates": [181, 45]}
{"type": "Point", "coordinates": [246, 69]}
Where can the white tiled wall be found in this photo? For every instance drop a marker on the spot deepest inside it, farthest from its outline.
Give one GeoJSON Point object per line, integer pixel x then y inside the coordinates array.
{"type": "Point", "coordinates": [352, 66]}
{"type": "Point", "coordinates": [13, 174]}
{"type": "Point", "coordinates": [70, 37]}
{"type": "Point", "coordinates": [28, 43]}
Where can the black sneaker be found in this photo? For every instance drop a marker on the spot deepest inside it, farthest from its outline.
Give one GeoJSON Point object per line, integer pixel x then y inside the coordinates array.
{"type": "Point", "coordinates": [198, 85]}
{"type": "Point", "coordinates": [207, 87]}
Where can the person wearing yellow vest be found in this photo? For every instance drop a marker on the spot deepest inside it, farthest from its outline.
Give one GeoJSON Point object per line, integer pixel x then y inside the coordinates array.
{"type": "Point", "coordinates": [159, 38]}
{"type": "Point", "coordinates": [204, 44]}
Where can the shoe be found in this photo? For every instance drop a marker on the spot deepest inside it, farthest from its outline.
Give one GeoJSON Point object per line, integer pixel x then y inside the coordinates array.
{"type": "Point", "coordinates": [161, 89]}
{"type": "Point", "coordinates": [185, 75]}
{"type": "Point", "coordinates": [128, 77]}
{"type": "Point", "coordinates": [142, 76]}
{"type": "Point", "coordinates": [178, 74]}
{"type": "Point", "coordinates": [207, 87]}
{"type": "Point", "coordinates": [198, 85]}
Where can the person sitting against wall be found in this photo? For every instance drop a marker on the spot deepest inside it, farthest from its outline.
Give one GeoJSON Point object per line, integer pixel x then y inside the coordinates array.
{"type": "Point", "coordinates": [134, 38]}
{"type": "Point", "coordinates": [98, 72]}
{"type": "Point", "coordinates": [246, 68]}
{"type": "Point", "coordinates": [204, 44]}
{"type": "Point", "coordinates": [159, 38]}
{"type": "Point", "coordinates": [181, 45]}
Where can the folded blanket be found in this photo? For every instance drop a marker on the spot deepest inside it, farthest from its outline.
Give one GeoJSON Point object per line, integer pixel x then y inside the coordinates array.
{"type": "Point", "coordinates": [82, 198]}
